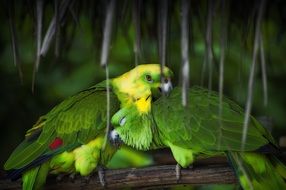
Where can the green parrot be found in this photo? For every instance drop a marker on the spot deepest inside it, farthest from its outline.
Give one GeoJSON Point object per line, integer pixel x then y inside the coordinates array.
{"type": "Point", "coordinates": [198, 130]}
{"type": "Point", "coordinates": [70, 138]}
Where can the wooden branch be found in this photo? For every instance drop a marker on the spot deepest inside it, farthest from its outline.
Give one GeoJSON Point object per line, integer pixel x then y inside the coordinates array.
{"type": "Point", "coordinates": [154, 176]}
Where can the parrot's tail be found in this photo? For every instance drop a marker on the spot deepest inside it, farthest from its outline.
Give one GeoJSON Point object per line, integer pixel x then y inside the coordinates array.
{"type": "Point", "coordinates": [35, 178]}
{"type": "Point", "coordinates": [258, 171]}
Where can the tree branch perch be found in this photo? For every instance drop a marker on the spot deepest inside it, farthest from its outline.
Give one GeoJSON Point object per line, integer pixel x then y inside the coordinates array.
{"type": "Point", "coordinates": [154, 176]}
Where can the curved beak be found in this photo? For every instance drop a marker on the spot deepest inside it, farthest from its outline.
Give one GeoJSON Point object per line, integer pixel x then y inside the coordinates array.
{"type": "Point", "coordinates": [166, 86]}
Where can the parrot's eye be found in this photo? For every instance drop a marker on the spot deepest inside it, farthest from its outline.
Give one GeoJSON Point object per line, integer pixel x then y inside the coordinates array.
{"type": "Point", "coordinates": [149, 78]}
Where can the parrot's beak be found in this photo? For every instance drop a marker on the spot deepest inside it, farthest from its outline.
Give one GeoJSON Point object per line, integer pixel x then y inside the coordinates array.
{"type": "Point", "coordinates": [114, 138]}
{"type": "Point", "coordinates": [166, 86]}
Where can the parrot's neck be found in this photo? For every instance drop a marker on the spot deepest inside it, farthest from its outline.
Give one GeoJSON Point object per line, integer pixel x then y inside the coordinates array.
{"type": "Point", "coordinates": [144, 104]}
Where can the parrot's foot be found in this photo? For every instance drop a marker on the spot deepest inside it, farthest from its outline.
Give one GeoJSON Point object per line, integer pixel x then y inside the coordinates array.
{"type": "Point", "coordinates": [72, 176]}
{"type": "Point", "coordinates": [86, 179]}
{"type": "Point", "coordinates": [60, 177]}
{"type": "Point", "coordinates": [101, 175]}
{"type": "Point", "coordinates": [178, 172]}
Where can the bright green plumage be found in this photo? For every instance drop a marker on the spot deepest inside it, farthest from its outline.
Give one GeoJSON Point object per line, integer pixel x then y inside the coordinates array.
{"type": "Point", "coordinates": [80, 123]}
{"type": "Point", "coordinates": [198, 129]}
{"type": "Point", "coordinates": [70, 138]}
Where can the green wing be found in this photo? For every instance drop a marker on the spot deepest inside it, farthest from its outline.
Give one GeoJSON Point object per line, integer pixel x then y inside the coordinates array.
{"type": "Point", "coordinates": [199, 125]}
{"type": "Point", "coordinates": [75, 121]}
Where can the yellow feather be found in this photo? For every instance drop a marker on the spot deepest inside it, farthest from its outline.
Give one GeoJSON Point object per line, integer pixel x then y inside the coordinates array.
{"type": "Point", "coordinates": [131, 88]}
{"type": "Point", "coordinates": [143, 105]}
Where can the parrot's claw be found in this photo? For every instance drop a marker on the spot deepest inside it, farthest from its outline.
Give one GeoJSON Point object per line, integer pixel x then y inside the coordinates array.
{"type": "Point", "coordinates": [178, 172]}
{"type": "Point", "coordinates": [101, 175]}
{"type": "Point", "coordinates": [60, 177]}
{"type": "Point", "coordinates": [191, 166]}
{"type": "Point", "coordinates": [86, 179]}
{"type": "Point", "coordinates": [72, 176]}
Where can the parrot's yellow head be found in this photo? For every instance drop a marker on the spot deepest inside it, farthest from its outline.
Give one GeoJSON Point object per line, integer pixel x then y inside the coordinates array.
{"type": "Point", "coordinates": [144, 81]}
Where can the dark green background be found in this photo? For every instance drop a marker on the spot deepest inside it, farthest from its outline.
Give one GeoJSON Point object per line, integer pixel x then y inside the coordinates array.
{"type": "Point", "coordinates": [78, 67]}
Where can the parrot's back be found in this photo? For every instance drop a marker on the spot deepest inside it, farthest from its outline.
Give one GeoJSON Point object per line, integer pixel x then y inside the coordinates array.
{"type": "Point", "coordinates": [200, 126]}
{"type": "Point", "coordinates": [203, 129]}
{"type": "Point", "coordinates": [74, 122]}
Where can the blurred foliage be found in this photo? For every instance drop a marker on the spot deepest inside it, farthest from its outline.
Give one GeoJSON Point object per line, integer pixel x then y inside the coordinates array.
{"type": "Point", "coordinates": [77, 66]}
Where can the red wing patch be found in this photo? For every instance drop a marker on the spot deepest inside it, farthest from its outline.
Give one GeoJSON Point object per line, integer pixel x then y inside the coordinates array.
{"type": "Point", "coordinates": [56, 143]}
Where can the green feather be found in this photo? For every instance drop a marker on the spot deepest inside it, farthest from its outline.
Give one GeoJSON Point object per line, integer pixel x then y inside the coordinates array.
{"type": "Point", "coordinates": [25, 154]}
{"type": "Point", "coordinates": [130, 134]}
{"type": "Point", "coordinates": [255, 171]}
{"type": "Point", "coordinates": [35, 178]}
{"type": "Point", "coordinates": [77, 120]}
{"type": "Point", "coordinates": [200, 129]}
{"type": "Point", "coordinates": [42, 175]}
{"type": "Point", "coordinates": [29, 178]}
{"type": "Point", "coordinates": [199, 125]}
